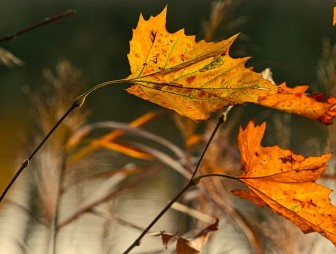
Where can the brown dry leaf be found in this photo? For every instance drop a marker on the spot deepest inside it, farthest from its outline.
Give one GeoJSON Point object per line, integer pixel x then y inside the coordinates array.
{"type": "Point", "coordinates": [198, 78]}
{"type": "Point", "coordinates": [184, 246]}
{"type": "Point", "coordinates": [197, 243]}
{"type": "Point", "coordinates": [166, 237]}
{"type": "Point", "coordinates": [285, 182]}
{"type": "Point", "coordinates": [193, 245]}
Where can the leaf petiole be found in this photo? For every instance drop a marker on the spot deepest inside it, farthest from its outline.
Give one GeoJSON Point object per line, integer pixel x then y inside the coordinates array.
{"type": "Point", "coordinates": [197, 179]}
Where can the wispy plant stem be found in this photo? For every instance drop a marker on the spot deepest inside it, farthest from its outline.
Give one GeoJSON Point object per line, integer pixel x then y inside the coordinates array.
{"type": "Point", "coordinates": [193, 181]}
{"type": "Point", "coordinates": [54, 227]}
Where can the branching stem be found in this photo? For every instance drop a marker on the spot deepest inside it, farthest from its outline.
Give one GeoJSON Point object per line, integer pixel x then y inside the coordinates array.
{"type": "Point", "coordinates": [160, 214]}
{"type": "Point", "coordinates": [193, 181]}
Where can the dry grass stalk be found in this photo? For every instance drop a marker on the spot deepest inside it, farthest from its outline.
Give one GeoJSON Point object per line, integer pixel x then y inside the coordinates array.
{"type": "Point", "coordinates": [50, 164]}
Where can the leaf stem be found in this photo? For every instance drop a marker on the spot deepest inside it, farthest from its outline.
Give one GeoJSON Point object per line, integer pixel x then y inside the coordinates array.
{"type": "Point", "coordinates": [193, 181]}
{"type": "Point", "coordinates": [81, 98]}
{"type": "Point", "coordinates": [200, 177]}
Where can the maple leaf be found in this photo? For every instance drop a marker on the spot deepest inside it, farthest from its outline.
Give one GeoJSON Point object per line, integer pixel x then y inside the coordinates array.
{"type": "Point", "coordinates": [285, 182]}
{"type": "Point", "coordinates": [198, 78]}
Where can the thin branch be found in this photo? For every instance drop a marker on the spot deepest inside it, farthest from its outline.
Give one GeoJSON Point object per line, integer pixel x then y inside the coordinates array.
{"type": "Point", "coordinates": [25, 163]}
{"type": "Point", "coordinates": [44, 22]}
{"type": "Point", "coordinates": [78, 102]}
{"type": "Point", "coordinates": [190, 183]}
{"type": "Point", "coordinates": [220, 121]}
{"type": "Point", "coordinates": [158, 217]}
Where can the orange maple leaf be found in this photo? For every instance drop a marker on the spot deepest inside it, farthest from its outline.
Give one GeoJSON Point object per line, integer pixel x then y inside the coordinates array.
{"type": "Point", "coordinates": [198, 78]}
{"type": "Point", "coordinates": [285, 182]}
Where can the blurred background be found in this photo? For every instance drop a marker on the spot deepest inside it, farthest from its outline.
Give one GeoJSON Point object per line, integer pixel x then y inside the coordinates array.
{"type": "Point", "coordinates": [286, 36]}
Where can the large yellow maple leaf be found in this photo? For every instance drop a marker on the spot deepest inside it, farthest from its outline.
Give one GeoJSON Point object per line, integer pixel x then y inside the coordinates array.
{"type": "Point", "coordinates": [285, 182]}
{"type": "Point", "coordinates": [198, 78]}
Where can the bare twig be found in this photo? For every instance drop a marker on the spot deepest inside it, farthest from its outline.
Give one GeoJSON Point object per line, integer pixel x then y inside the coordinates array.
{"type": "Point", "coordinates": [44, 22]}
{"type": "Point", "coordinates": [25, 163]}
{"type": "Point", "coordinates": [78, 102]}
